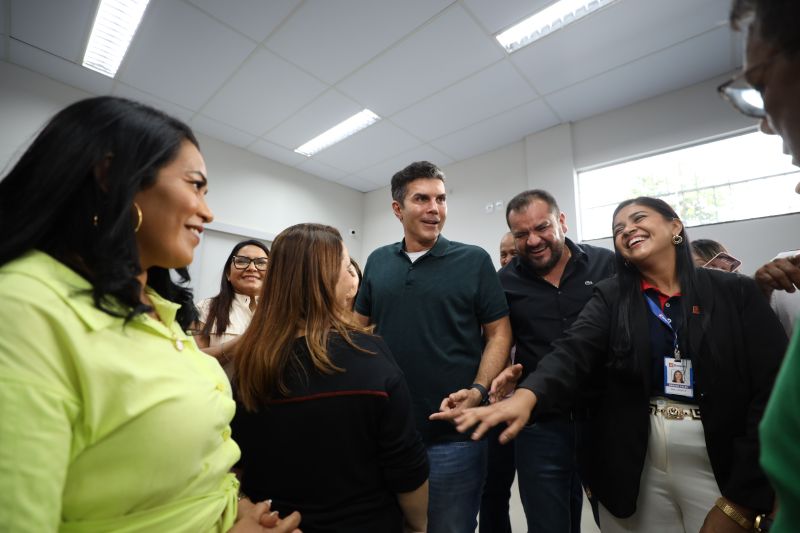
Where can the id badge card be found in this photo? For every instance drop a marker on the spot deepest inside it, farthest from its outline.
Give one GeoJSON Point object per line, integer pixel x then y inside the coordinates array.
{"type": "Point", "coordinates": [678, 377]}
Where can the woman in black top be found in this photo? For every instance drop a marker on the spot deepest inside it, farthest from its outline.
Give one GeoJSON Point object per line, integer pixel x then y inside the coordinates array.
{"type": "Point", "coordinates": [324, 418]}
{"type": "Point", "coordinates": [659, 314]}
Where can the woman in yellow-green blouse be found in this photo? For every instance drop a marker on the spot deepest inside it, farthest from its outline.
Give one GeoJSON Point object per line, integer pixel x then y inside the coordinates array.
{"type": "Point", "coordinates": [111, 418]}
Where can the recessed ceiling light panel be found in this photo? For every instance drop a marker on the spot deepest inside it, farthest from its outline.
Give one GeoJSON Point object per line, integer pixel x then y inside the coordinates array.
{"type": "Point", "coordinates": [339, 132]}
{"type": "Point", "coordinates": [552, 18]}
{"type": "Point", "coordinates": [113, 30]}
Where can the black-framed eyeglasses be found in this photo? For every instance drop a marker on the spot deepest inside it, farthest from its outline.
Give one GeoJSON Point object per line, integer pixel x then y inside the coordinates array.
{"type": "Point", "coordinates": [241, 262]}
{"type": "Point", "coordinates": [746, 99]}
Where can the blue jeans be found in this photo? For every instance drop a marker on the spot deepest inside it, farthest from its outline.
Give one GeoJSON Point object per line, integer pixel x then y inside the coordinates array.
{"type": "Point", "coordinates": [497, 489]}
{"type": "Point", "coordinates": [549, 486]}
{"type": "Point", "coordinates": [455, 484]}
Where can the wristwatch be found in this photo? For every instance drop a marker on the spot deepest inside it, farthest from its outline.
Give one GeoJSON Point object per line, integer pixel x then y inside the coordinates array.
{"type": "Point", "coordinates": [484, 393]}
{"type": "Point", "coordinates": [762, 523]}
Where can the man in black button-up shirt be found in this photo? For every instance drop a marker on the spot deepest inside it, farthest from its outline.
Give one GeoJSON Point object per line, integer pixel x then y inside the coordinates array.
{"type": "Point", "coordinates": [546, 286]}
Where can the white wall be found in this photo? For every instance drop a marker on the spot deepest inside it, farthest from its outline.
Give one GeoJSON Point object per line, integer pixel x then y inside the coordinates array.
{"type": "Point", "coordinates": [380, 225]}
{"type": "Point", "coordinates": [253, 196]}
{"type": "Point", "coordinates": [753, 242]}
{"type": "Point", "coordinates": [548, 160]}
{"type": "Point", "coordinates": [249, 191]}
{"type": "Point", "coordinates": [681, 117]}
{"type": "Point", "coordinates": [250, 195]}
{"type": "Point", "coordinates": [471, 185]}
{"type": "Point", "coordinates": [486, 179]}
{"type": "Point", "coordinates": [550, 166]}
{"type": "Point", "coordinates": [27, 101]}
{"type": "Point", "coordinates": [256, 197]}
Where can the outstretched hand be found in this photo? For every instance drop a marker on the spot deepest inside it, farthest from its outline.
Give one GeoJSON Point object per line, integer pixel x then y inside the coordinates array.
{"type": "Point", "coordinates": [514, 411]}
{"type": "Point", "coordinates": [781, 274]}
{"type": "Point", "coordinates": [455, 404]}
{"type": "Point", "coordinates": [505, 382]}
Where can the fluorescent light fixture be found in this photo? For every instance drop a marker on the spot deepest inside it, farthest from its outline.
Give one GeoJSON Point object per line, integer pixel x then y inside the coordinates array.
{"type": "Point", "coordinates": [339, 132]}
{"type": "Point", "coordinates": [552, 18]}
{"type": "Point", "coordinates": [113, 30]}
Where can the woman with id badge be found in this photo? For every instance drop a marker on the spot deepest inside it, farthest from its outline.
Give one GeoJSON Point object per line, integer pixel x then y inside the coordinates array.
{"type": "Point", "coordinates": [686, 358]}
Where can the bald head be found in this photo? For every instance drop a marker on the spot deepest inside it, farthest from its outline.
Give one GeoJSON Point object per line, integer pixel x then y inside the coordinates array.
{"type": "Point", "coordinates": [507, 249]}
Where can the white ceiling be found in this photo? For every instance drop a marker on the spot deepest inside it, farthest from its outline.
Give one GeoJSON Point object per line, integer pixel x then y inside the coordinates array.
{"type": "Point", "coordinates": [268, 75]}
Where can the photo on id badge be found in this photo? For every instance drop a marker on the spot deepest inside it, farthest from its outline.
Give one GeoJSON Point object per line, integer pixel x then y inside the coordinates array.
{"type": "Point", "coordinates": [678, 377]}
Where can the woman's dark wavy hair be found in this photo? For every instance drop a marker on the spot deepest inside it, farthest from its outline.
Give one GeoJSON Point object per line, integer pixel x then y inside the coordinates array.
{"type": "Point", "coordinates": [217, 320]}
{"type": "Point", "coordinates": [89, 161]}
{"type": "Point", "coordinates": [630, 278]}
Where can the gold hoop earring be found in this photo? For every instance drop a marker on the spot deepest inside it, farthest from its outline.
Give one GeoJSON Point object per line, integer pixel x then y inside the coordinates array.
{"type": "Point", "coordinates": [677, 239]}
{"type": "Point", "coordinates": [139, 215]}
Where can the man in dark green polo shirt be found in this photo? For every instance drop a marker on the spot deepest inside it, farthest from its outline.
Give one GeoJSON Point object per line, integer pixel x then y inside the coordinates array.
{"type": "Point", "coordinates": [440, 307]}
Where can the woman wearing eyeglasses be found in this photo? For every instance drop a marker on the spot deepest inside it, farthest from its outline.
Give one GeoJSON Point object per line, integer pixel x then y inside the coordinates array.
{"type": "Point", "coordinates": [225, 316]}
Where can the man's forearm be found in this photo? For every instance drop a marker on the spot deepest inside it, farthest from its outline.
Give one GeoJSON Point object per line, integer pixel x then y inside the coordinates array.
{"type": "Point", "coordinates": [496, 351]}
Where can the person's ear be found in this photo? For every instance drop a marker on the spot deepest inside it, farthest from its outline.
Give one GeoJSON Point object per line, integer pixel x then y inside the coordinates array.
{"type": "Point", "coordinates": [101, 170]}
{"type": "Point", "coordinates": [677, 226]}
{"type": "Point", "coordinates": [397, 208]}
{"type": "Point", "coordinates": [562, 221]}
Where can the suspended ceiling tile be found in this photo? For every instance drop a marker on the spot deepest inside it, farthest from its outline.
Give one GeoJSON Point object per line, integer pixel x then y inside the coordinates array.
{"type": "Point", "coordinates": [498, 16]}
{"type": "Point", "coordinates": [322, 170]}
{"type": "Point", "coordinates": [446, 50]}
{"type": "Point", "coordinates": [382, 173]}
{"type": "Point", "coordinates": [487, 93]}
{"type": "Point", "coordinates": [320, 115]}
{"type": "Point", "coordinates": [371, 145]}
{"type": "Point", "coordinates": [221, 131]}
{"type": "Point", "coordinates": [332, 39]}
{"type": "Point", "coordinates": [507, 128]}
{"type": "Point", "coordinates": [682, 65]}
{"type": "Point", "coordinates": [59, 69]}
{"type": "Point", "coordinates": [354, 182]}
{"type": "Point", "coordinates": [67, 38]}
{"type": "Point", "coordinates": [3, 9]}
{"type": "Point", "coordinates": [613, 36]}
{"type": "Point", "coordinates": [185, 54]}
{"type": "Point", "coordinates": [265, 91]}
{"type": "Point", "coordinates": [254, 18]}
{"type": "Point", "coordinates": [125, 91]}
{"type": "Point", "coordinates": [182, 55]}
{"type": "Point", "coordinates": [276, 153]}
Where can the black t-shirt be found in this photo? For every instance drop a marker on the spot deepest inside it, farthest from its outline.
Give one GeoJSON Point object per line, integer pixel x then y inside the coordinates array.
{"type": "Point", "coordinates": [340, 446]}
{"type": "Point", "coordinates": [540, 312]}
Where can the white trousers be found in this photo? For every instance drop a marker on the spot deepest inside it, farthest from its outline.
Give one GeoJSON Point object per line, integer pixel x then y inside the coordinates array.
{"type": "Point", "coordinates": [677, 487]}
